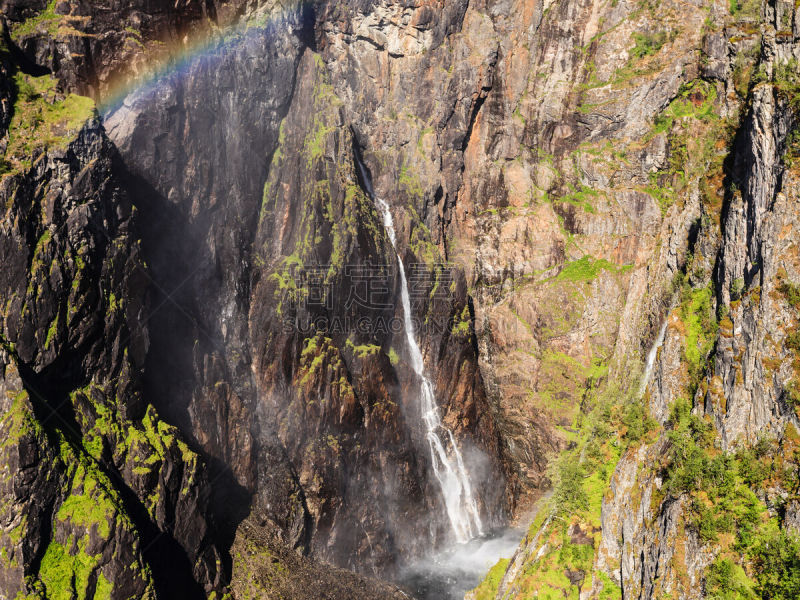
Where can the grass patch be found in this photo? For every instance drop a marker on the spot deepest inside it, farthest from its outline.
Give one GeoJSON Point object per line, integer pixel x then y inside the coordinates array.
{"type": "Point", "coordinates": [701, 327]}
{"type": "Point", "coordinates": [46, 21]}
{"type": "Point", "coordinates": [362, 350]}
{"type": "Point", "coordinates": [745, 9]}
{"type": "Point", "coordinates": [410, 182]}
{"type": "Point", "coordinates": [41, 120]}
{"type": "Point", "coordinates": [462, 322]}
{"type": "Point", "coordinates": [487, 590]}
{"type": "Point", "coordinates": [393, 357]}
{"type": "Point", "coordinates": [580, 197]}
{"type": "Point", "coordinates": [65, 572]}
{"type": "Point", "coordinates": [587, 268]}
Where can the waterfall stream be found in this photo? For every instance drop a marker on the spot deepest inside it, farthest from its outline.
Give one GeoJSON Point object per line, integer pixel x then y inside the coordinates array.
{"type": "Point", "coordinates": [448, 464]}
{"type": "Point", "coordinates": [651, 357]}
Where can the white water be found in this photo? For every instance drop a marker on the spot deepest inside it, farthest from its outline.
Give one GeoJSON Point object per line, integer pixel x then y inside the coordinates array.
{"type": "Point", "coordinates": [448, 465]}
{"type": "Point", "coordinates": [651, 358]}
{"type": "Point", "coordinates": [449, 574]}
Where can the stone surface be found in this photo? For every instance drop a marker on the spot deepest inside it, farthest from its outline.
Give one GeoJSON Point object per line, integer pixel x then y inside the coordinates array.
{"type": "Point", "coordinates": [577, 164]}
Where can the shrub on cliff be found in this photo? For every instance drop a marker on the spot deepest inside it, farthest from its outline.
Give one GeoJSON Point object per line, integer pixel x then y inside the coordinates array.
{"type": "Point", "coordinates": [568, 493]}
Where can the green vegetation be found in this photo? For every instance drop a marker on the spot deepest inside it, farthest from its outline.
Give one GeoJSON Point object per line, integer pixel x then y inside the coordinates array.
{"type": "Point", "coordinates": [699, 324]}
{"type": "Point", "coordinates": [727, 581]}
{"type": "Point", "coordinates": [687, 464]}
{"type": "Point", "coordinates": [610, 591]}
{"type": "Point", "coordinates": [143, 447]}
{"type": "Point", "coordinates": [103, 588]}
{"type": "Point", "coordinates": [745, 9]}
{"type": "Point", "coordinates": [646, 44]}
{"type": "Point", "coordinates": [285, 278]}
{"type": "Point", "coordinates": [425, 131]}
{"type": "Point", "coordinates": [92, 504]}
{"type": "Point", "coordinates": [791, 293]}
{"type": "Point", "coordinates": [724, 509]}
{"type": "Point", "coordinates": [316, 140]}
{"type": "Point", "coordinates": [275, 164]}
{"type": "Point", "coordinates": [51, 332]}
{"type": "Point", "coordinates": [335, 211]}
{"type": "Point", "coordinates": [83, 508]}
{"type": "Point", "coordinates": [569, 494]}
{"type": "Point", "coordinates": [393, 357]}
{"type": "Point", "coordinates": [65, 572]}
{"type": "Point", "coordinates": [320, 356]}
{"type": "Point", "coordinates": [737, 287]}
{"type": "Point", "coordinates": [46, 21]}
{"type": "Point", "coordinates": [698, 141]}
{"type": "Point", "coordinates": [587, 269]}
{"type": "Point", "coordinates": [487, 590]}
{"type": "Point", "coordinates": [91, 507]}
{"type": "Point", "coordinates": [564, 380]}
{"type": "Point", "coordinates": [313, 355]}
{"type": "Point", "coordinates": [663, 195]}
{"type": "Point", "coordinates": [580, 197]}
{"type": "Point", "coordinates": [421, 244]}
{"type": "Point", "coordinates": [18, 421]}
{"type": "Point", "coordinates": [462, 322]}
{"type": "Point", "coordinates": [636, 421]}
{"type": "Point", "coordinates": [114, 303]}
{"type": "Point", "coordinates": [786, 80]}
{"type": "Point", "coordinates": [135, 36]}
{"type": "Point", "coordinates": [567, 528]}
{"type": "Point", "coordinates": [695, 100]}
{"type": "Point", "coordinates": [324, 98]}
{"type": "Point", "coordinates": [410, 182]}
{"type": "Point", "coordinates": [729, 498]}
{"type": "Point", "coordinates": [362, 350]}
{"type": "Point", "coordinates": [42, 243]}
{"type": "Point", "coordinates": [744, 68]}
{"type": "Point", "coordinates": [792, 153]}
{"type": "Point", "coordinates": [777, 565]}
{"type": "Point", "coordinates": [41, 120]}
{"type": "Point", "coordinates": [356, 212]}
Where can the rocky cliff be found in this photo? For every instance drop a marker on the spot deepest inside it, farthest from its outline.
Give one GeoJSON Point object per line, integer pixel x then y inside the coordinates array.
{"type": "Point", "coordinates": [701, 500]}
{"type": "Point", "coordinates": [205, 385]}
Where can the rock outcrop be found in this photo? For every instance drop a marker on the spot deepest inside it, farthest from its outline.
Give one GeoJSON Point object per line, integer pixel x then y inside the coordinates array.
{"type": "Point", "coordinates": [93, 475]}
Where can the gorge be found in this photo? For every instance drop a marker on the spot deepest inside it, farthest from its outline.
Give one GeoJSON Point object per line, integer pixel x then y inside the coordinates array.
{"type": "Point", "coordinates": [375, 299]}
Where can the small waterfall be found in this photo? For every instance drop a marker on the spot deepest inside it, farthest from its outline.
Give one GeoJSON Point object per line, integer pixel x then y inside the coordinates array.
{"type": "Point", "coordinates": [651, 358]}
{"type": "Point", "coordinates": [448, 467]}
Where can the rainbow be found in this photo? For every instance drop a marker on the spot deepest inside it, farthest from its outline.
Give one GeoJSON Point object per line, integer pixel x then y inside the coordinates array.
{"type": "Point", "coordinates": [176, 59]}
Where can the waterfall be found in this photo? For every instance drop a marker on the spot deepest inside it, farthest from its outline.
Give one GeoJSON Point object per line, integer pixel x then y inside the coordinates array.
{"type": "Point", "coordinates": [448, 467]}
{"type": "Point", "coordinates": [651, 358]}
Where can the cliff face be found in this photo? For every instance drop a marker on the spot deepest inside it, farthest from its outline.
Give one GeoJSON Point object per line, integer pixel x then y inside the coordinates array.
{"type": "Point", "coordinates": [201, 376]}
{"type": "Point", "coordinates": [744, 388]}
{"type": "Point", "coordinates": [245, 165]}
{"type": "Point", "coordinates": [95, 482]}
{"type": "Point", "coordinates": [243, 228]}
{"type": "Point", "coordinates": [709, 482]}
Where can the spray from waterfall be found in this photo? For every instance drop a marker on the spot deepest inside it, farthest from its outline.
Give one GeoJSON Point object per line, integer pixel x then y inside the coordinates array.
{"type": "Point", "coordinates": [448, 464]}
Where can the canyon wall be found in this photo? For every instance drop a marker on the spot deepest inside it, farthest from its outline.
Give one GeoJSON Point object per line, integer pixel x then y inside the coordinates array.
{"type": "Point", "coordinates": [564, 177]}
